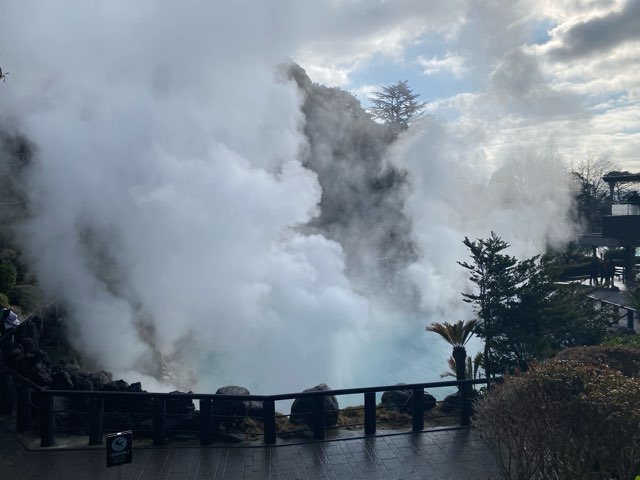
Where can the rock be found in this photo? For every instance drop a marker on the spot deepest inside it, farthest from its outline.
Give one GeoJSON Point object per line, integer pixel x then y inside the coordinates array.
{"type": "Point", "coordinates": [451, 403]}
{"type": "Point", "coordinates": [115, 386]}
{"type": "Point", "coordinates": [61, 380]}
{"type": "Point", "coordinates": [28, 344]}
{"type": "Point", "coordinates": [180, 405]}
{"type": "Point", "coordinates": [302, 408]}
{"type": "Point", "coordinates": [99, 379]}
{"type": "Point", "coordinates": [428, 400]}
{"type": "Point", "coordinates": [256, 409]}
{"type": "Point", "coordinates": [235, 408]}
{"type": "Point", "coordinates": [81, 380]}
{"type": "Point", "coordinates": [115, 404]}
{"type": "Point", "coordinates": [397, 399]}
{"type": "Point", "coordinates": [139, 404]}
{"type": "Point", "coordinates": [41, 375]}
{"type": "Point", "coordinates": [402, 400]}
{"type": "Point", "coordinates": [39, 356]}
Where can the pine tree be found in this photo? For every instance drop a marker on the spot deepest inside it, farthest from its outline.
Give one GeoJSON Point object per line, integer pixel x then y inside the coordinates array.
{"type": "Point", "coordinates": [396, 105]}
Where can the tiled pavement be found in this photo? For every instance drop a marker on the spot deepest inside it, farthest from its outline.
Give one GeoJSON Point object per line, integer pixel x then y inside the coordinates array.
{"type": "Point", "coordinates": [450, 454]}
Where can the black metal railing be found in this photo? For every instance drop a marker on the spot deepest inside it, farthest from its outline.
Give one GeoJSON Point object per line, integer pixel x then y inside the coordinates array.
{"type": "Point", "coordinates": [37, 405]}
{"type": "Point", "coordinates": [32, 398]}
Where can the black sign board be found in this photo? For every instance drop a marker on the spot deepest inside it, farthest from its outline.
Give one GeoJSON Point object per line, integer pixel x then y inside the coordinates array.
{"type": "Point", "coordinates": [119, 448]}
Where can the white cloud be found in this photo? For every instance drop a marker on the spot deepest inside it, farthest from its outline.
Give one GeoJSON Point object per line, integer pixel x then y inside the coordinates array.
{"type": "Point", "coordinates": [451, 63]}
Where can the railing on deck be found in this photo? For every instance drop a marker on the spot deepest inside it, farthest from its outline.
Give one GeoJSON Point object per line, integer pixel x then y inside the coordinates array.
{"type": "Point", "coordinates": [32, 398]}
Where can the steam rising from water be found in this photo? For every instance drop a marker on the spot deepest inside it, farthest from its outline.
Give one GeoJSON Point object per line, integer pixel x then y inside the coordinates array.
{"type": "Point", "coordinates": [169, 194]}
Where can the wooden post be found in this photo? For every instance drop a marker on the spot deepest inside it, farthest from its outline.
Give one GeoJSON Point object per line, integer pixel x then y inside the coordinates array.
{"type": "Point", "coordinates": [7, 394]}
{"type": "Point", "coordinates": [269, 419]}
{"type": "Point", "coordinates": [47, 421]}
{"type": "Point", "coordinates": [630, 319]}
{"type": "Point", "coordinates": [159, 422]}
{"type": "Point", "coordinates": [23, 408]}
{"type": "Point", "coordinates": [205, 421]}
{"type": "Point", "coordinates": [417, 410]}
{"type": "Point", "coordinates": [318, 417]}
{"type": "Point", "coordinates": [370, 413]}
{"type": "Point", "coordinates": [96, 421]}
{"type": "Point", "coordinates": [465, 405]}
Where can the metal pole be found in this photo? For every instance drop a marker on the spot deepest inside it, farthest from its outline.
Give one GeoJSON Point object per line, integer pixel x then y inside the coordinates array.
{"type": "Point", "coordinates": [318, 417]}
{"type": "Point", "coordinates": [418, 410]}
{"type": "Point", "coordinates": [269, 419]}
{"type": "Point", "coordinates": [370, 413]}
{"type": "Point", "coordinates": [159, 422]}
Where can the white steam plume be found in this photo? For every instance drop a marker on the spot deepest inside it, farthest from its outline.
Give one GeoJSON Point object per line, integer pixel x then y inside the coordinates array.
{"type": "Point", "coordinates": [167, 193]}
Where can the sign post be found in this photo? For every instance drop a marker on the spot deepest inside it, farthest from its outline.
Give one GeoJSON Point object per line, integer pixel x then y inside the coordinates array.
{"type": "Point", "coordinates": [119, 449]}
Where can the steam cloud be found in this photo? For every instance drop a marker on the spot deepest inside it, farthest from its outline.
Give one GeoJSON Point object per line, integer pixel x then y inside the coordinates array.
{"type": "Point", "coordinates": [173, 215]}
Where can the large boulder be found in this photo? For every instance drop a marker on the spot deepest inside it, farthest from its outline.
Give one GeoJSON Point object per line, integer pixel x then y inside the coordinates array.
{"type": "Point", "coordinates": [61, 380]}
{"type": "Point", "coordinates": [138, 404]}
{"type": "Point", "coordinates": [41, 375]}
{"type": "Point", "coordinates": [180, 405]}
{"type": "Point", "coordinates": [100, 378]}
{"type": "Point", "coordinates": [29, 344]}
{"type": "Point", "coordinates": [451, 403]}
{"type": "Point", "coordinates": [81, 380]}
{"type": "Point", "coordinates": [231, 408]}
{"type": "Point", "coordinates": [402, 400]}
{"type": "Point", "coordinates": [115, 404]}
{"type": "Point", "coordinates": [302, 408]}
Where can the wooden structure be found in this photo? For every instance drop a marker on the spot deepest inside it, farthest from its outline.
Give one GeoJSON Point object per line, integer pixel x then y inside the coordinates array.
{"type": "Point", "coordinates": [622, 227]}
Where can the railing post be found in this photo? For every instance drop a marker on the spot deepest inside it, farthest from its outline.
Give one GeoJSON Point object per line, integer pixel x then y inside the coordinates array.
{"type": "Point", "coordinates": [23, 408]}
{"type": "Point", "coordinates": [464, 391]}
{"type": "Point", "coordinates": [96, 421]}
{"type": "Point", "coordinates": [205, 421]}
{"type": "Point", "coordinates": [159, 422]}
{"type": "Point", "coordinates": [47, 420]}
{"type": "Point", "coordinates": [318, 417]}
{"type": "Point", "coordinates": [7, 394]}
{"type": "Point", "coordinates": [630, 319]}
{"type": "Point", "coordinates": [269, 419]}
{"type": "Point", "coordinates": [370, 413]}
{"type": "Point", "coordinates": [6, 345]}
{"type": "Point", "coordinates": [418, 409]}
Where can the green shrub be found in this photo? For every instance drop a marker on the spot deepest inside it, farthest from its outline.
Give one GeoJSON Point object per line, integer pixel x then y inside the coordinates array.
{"type": "Point", "coordinates": [625, 359]}
{"type": "Point", "coordinates": [623, 340]}
{"type": "Point", "coordinates": [8, 277]}
{"type": "Point", "coordinates": [565, 420]}
{"type": "Point", "coordinates": [27, 297]}
{"type": "Point", "coordinates": [4, 301]}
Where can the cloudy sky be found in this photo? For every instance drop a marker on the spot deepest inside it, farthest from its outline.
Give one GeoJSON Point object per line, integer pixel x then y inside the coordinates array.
{"type": "Point", "coordinates": [523, 71]}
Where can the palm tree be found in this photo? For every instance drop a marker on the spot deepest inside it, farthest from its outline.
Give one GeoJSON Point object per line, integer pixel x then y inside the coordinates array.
{"type": "Point", "coordinates": [457, 335]}
{"type": "Point", "coordinates": [470, 370]}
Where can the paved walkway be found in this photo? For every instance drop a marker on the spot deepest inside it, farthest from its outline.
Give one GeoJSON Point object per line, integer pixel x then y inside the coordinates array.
{"type": "Point", "coordinates": [450, 454]}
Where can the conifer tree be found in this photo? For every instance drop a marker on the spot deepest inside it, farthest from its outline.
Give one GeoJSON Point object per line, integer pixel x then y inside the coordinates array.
{"type": "Point", "coordinates": [396, 105]}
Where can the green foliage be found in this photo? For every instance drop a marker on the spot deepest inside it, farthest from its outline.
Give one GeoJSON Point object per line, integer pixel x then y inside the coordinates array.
{"type": "Point", "coordinates": [456, 334]}
{"type": "Point", "coordinates": [4, 301]}
{"type": "Point", "coordinates": [564, 419]}
{"type": "Point", "coordinates": [498, 279]}
{"type": "Point", "coordinates": [625, 359]}
{"type": "Point", "coordinates": [623, 340]}
{"type": "Point", "coordinates": [8, 277]}
{"type": "Point", "coordinates": [396, 105]}
{"type": "Point", "coordinates": [27, 297]}
{"type": "Point", "coordinates": [521, 315]}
